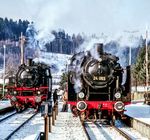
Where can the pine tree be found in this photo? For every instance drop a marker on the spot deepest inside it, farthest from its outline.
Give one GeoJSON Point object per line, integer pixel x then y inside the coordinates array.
{"type": "Point", "coordinates": [139, 69]}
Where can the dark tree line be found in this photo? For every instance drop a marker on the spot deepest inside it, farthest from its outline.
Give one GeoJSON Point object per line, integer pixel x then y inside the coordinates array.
{"type": "Point", "coordinates": [63, 43]}
{"type": "Point", "coordinates": [10, 29]}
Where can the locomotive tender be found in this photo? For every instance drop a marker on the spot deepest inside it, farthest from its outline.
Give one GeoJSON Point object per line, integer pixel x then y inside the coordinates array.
{"type": "Point", "coordinates": [95, 88]}
{"type": "Point", "coordinates": [31, 85]}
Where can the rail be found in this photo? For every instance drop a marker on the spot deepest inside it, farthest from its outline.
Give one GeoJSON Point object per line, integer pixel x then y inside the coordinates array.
{"type": "Point", "coordinates": [5, 118]}
{"type": "Point", "coordinates": [104, 130]}
{"type": "Point", "coordinates": [40, 136]}
{"type": "Point", "coordinates": [122, 133]}
{"type": "Point", "coordinates": [138, 125]}
{"type": "Point", "coordinates": [13, 132]}
{"type": "Point", "coordinates": [86, 133]}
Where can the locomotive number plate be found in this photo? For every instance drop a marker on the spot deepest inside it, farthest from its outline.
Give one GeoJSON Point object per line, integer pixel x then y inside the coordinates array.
{"type": "Point", "coordinates": [99, 78]}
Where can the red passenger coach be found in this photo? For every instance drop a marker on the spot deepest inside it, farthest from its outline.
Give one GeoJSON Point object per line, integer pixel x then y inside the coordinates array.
{"type": "Point", "coordinates": [95, 89]}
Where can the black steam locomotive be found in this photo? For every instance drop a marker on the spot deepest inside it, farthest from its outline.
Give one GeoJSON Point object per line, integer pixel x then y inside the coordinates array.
{"type": "Point", "coordinates": [95, 88]}
{"type": "Point", "coordinates": [31, 85]}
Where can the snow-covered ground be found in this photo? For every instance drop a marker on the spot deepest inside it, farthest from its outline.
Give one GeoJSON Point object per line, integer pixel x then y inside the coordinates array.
{"type": "Point", "coordinates": [139, 111]}
{"type": "Point", "coordinates": [103, 132]}
{"type": "Point", "coordinates": [31, 129]}
{"type": "Point", "coordinates": [67, 128]}
{"type": "Point", "coordinates": [4, 104]}
{"type": "Point", "coordinates": [58, 62]}
{"type": "Point", "coordinates": [9, 125]}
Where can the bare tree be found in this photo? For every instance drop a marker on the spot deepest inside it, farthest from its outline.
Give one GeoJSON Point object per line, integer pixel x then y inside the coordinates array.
{"type": "Point", "coordinates": [12, 64]}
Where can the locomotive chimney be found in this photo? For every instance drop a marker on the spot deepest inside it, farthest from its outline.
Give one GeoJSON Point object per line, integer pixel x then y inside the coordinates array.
{"type": "Point", "coordinates": [99, 47]}
{"type": "Point", "coordinates": [29, 61]}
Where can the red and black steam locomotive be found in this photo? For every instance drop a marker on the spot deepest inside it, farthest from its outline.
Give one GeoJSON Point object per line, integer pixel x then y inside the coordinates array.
{"type": "Point", "coordinates": [31, 85]}
{"type": "Point", "coordinates": [95, 85]}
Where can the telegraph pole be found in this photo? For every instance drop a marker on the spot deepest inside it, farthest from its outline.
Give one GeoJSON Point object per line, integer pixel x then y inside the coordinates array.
{"type": "Point", "coordinates": [130, 53]}
{"type": "Point", "coordinates": [4, 46]}
{"type": "Point", "coordinates": [22, 40]}
{"type": "Point", "coordinates": [146, 61]}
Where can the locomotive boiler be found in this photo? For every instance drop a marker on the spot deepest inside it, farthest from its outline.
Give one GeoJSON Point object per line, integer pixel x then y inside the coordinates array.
{"type": "Point", "coordinates": [31, 85]}
{"type": "Point", "coordinates": [95, 85]}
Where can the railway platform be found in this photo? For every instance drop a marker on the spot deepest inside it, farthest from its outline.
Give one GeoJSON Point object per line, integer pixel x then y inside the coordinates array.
{"type": "Point", "coordinates": [67, 127]}
{"type": "Point", "coordinates": [139, 111]}
{"type": "Point", "coordinates": [4, 104]}
{"type": "Point", "coordinates": [139, 116]}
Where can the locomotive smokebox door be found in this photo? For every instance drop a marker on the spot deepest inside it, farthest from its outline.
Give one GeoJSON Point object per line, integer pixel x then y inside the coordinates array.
{"type": "Point", "coordinates": [46, 109]}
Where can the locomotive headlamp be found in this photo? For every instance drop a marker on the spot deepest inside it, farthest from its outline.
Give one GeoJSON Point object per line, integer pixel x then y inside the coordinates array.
{"type": "Point", "coordinates": [119, 106]}
{"type": "Point", "coordinates": [117, 95]}
{"type": "Point", "coordinates": [38, 92]}
{"type": "Point", "coordinates": [15, 92]}
{"type": "Point", "coordinates": [81, 95]}
{"type": "Point", "coordinates": [27, 70]}
{"type": "Point", "coordinates": [6, 90]}
{"type": "Point", "coordinates": [81, 105]}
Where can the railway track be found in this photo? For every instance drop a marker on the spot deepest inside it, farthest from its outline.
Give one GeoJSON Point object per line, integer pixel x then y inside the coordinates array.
{"type": "Point", "coordinates": [133, 133]}
{"type": "Point", "coordinates": [14, 123]}
{"type": "Point", "coordinates": [96, 131]}
{"type": "Point", "coordinates": [7, 116]}
{"type": "Point", "coordinates": [123, 133]}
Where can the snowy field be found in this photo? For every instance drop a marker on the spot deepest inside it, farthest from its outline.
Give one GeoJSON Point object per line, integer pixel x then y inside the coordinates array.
{"type": "Point", "coordinates": [58, 62]}
{"type": "Point", "coordinates": [139, 111]}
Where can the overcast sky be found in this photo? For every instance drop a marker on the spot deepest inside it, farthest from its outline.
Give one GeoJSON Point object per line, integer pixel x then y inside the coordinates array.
{"type": "Point", "coordinates": [111, 17]}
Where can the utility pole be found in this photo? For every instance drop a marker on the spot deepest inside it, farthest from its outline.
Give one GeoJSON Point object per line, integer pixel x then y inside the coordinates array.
{"type": "Point", "coordinates": [146, 61]}
{"type": "Point", "coordinates": [4, 46]}
{"type": "Point", "coordinates": [130, 51]}
{"type": "Point", "coordinates": [22, 40]}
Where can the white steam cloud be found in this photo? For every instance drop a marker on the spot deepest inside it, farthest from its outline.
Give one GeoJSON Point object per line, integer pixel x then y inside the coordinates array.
{"type": "Point", "coordinates": [119, 48]}
{"type": "Point", "coordinates": [46, 17]}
